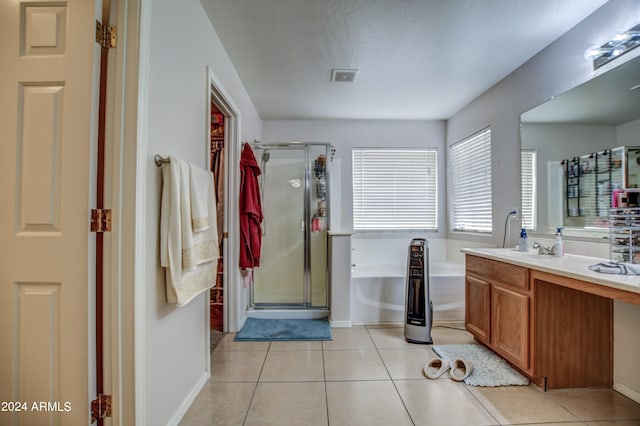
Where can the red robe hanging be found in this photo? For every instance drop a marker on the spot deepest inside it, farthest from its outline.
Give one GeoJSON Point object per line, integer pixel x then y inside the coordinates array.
{"type": "Point", "coordinates": [250, 210]}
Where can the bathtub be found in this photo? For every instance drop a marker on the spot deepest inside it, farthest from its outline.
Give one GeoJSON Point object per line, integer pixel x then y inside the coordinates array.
{"type": "Point", "coordinates": [377, 292]}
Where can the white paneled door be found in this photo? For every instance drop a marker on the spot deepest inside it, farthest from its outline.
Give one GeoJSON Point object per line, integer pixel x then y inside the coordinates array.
{"type": "Point", "coordinates": [46, 75]}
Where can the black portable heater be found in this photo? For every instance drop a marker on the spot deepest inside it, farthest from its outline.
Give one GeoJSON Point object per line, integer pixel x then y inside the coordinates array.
{"type": "Point", "coordinates": [418, 305]}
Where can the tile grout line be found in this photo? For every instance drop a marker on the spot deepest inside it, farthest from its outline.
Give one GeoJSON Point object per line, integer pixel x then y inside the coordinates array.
{"type": "Point", "coordinates": [324, 375]}
{"type": "Point", "coordinates": [550, 396]}
{"type": "Point", "coordinates": [255, 388]}
{"type": "Point", "coordinates": [577, 419]}
{"type": "Point", "coordinates": [466, 388]}
{"type": "Point", "coordinates": [390, 377]}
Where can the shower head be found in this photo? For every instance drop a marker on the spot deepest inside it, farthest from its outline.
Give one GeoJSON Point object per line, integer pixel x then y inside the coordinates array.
{"type": "Point", "coordinates": [265, 156]}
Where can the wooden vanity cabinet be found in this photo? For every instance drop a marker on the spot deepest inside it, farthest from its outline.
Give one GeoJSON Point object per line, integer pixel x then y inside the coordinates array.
{"type": "Point", "coordinates": [497, 308]}
{"type": "Point", "coordinates": [558, 331]}
{"type": "Point", "coordinates": [573, 334]}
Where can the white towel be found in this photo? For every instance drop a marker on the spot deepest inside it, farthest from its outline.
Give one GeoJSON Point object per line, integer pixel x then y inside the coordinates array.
{"type": "Point", "coordinates": [199, 182]}
{"type": "Point", "coordinates": [616, 268]}
{"type": "Point", "coordinates": [179, 247]}
{"type": "Point", "coordinates": [197, 247]}
{"type": "Point", "coordinates": [170, 208]}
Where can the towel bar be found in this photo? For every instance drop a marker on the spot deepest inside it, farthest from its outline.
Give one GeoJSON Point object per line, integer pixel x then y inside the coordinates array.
{"type": "Point", "coordinates": [160, 160]}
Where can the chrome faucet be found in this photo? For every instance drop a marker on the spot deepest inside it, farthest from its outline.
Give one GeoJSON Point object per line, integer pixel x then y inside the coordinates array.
{"type": "Point", "coordinates": [542, 249]}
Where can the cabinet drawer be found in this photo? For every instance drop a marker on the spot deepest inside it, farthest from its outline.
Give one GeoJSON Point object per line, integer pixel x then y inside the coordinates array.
{"type": "Point", "coordinates": [504, 273]}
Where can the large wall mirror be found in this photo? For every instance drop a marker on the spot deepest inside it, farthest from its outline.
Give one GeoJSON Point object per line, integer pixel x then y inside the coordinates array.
{"type": "Point", "coordinates": [577, 149]}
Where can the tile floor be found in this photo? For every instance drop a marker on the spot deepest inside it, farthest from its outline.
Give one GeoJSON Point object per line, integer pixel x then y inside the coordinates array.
{"type": "Point", "coordinates": [371, 376]}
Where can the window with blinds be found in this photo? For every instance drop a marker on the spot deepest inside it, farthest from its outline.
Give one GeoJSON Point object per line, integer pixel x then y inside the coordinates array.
{"type": "Point", "coordinates": [395, 189]}
{"type": "Point", "coordinates": [471, 203]}
{"type": "Point", "coordinates": [528, 164]}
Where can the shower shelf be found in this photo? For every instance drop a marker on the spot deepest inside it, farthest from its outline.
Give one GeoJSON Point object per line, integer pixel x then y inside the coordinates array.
{"type": "Point", "coordinates": [624, 234]}
{"type": "Point", "coordinates": [320, 172]}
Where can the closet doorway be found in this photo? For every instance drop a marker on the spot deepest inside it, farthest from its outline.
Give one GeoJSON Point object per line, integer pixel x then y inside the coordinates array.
{"type": "Point", "coordinates": [217, 137]}
{"type": "Point", "coordinates": [221, 146]}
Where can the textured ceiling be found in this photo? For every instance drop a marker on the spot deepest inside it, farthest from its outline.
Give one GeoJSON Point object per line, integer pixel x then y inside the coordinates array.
{"type": "Point", "coordinates": [416, 59]}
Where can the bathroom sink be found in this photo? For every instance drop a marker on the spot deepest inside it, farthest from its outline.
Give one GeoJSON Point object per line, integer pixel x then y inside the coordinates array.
{"type": "Point", "coordinates": [508, 252]}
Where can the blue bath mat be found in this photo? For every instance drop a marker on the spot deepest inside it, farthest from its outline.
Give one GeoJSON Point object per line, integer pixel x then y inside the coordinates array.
{"type": "Point", "coordinates": [255, 329]}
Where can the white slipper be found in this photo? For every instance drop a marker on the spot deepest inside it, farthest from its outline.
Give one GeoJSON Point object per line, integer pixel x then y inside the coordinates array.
{"type": "Point", "coordinates": [461, 369]}
{"type": "Point", "coordinates": [436, 368]}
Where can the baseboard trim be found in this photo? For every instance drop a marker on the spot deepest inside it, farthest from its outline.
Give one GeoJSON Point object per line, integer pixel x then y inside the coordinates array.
{"type": "Point", "coordinates": [627, 391]}
{"type": "Point", "coordinates": [340, 324]}
{"type": "Point", "coordinates": [287, 313]}
{"type": "Point", "coordinates": [380, 324]}
{"type": "Point", "coordinates": [191, 396]}
{"type": "Point", "coordinates": [436, 323]}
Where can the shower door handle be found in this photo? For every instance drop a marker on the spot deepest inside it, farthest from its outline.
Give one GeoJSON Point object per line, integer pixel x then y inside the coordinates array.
{"type": "Point", "coordinates": [302, 225]}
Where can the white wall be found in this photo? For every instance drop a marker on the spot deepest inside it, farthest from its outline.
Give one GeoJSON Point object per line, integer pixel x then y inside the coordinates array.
{"type": "Point", "coordinates": [182, 45]}
{"type": "Point", "coordinates": [627, 133]}
{"type": "Point", "coordinates": [348, 134]}
{"type": "Point", "coordinates": [556, 69]}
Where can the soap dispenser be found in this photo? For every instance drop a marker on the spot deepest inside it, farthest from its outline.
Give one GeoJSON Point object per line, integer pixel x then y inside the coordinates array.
{"type": "Point", "coordinates": [523, 243]}
{"type": "Point", "coordinates": [558, 246]}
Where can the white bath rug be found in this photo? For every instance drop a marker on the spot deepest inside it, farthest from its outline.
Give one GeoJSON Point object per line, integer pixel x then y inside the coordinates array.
{"type": "Point", "coordinates": [488, 368]}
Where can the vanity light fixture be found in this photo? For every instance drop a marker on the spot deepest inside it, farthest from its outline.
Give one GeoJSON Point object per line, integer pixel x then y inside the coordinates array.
{"type": "Point", "coordinates": [620, 44]}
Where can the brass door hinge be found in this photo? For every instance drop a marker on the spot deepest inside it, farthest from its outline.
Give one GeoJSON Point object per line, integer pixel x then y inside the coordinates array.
{"type": "Point", "coordinates": [105, 35]}
{"type": "Point", "coordinates": [101, 220]}
{"type": "Point", "coordinates": [100, 407]}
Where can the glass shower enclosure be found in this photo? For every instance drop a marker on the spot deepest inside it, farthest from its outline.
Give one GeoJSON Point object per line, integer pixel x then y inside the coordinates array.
{"type": "Point", "coordinates": [294, 187]}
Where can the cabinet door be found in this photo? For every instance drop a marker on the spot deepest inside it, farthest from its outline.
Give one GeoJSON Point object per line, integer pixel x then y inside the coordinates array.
{"type": "Point", "coordinates": [573, 335]}
{"type": "Point", "coordinates": [510, 325]}
{"type": "Point", "coordinates": [477, 308]}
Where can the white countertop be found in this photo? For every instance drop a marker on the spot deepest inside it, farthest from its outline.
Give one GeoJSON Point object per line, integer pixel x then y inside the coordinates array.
{"type": "Point", "coordinates": [570, 265]}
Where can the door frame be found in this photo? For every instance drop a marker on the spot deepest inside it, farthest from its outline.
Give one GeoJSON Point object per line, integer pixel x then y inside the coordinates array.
{"type": "Point", "coordinates": [124, 250]}
{"type": "Point", "coordinates": [233, 309]}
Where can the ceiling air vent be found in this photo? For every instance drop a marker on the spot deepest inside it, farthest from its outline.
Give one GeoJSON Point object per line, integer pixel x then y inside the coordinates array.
{"type": "Point", "coordinates": [346, 76]}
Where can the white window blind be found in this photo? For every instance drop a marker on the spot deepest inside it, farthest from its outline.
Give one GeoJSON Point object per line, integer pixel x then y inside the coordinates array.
{"type": "Point", "coordinates": [471, 203]}
{"type": "Point", "coordinates": [528, 164]}
{"type": "Point", "coordinates": [394, 189]}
